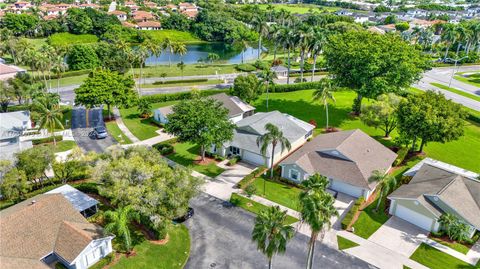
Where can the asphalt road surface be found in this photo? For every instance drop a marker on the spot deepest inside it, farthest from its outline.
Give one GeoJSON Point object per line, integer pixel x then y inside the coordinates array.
{"type": "Point", "coordinates": [221, 238]}
{"type": "Point", "coordinates": [81, 133]}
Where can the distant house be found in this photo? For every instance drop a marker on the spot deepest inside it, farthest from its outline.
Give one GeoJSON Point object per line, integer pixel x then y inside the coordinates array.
{"type": "Point", "coordinates": [244, 142]}
{"type": "Point", "coordinates": [346, 158]}
{"type": "Point", "coordinates": [142, 16]}
{"type": "Point", "coordinates": [9, 71]}
{"type": "Point", "coordinates": [435, 189]}
{"type": "Point", "coordinates": [149, 25]}
{"type": "Point", "coordinates": [280, 70]}
{"type": "Point", "coordinates": [237, 109]}
{"type": "Point", "coordinates": [122, 16]}
{"type": "Point", "coordinates": [12, 126]}
{"type": "Point", "coordinates": [84, 204]}
{"type": "Point", "coordinates": [47, 229]}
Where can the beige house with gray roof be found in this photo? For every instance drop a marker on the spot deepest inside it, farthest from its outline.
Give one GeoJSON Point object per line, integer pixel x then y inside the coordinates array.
{"type": "Point", "coordinates": [347, 158]}
{"type": "Point", "coordinates": [435, 189]}
{"type": "Point", "coordinates": [47, 229]}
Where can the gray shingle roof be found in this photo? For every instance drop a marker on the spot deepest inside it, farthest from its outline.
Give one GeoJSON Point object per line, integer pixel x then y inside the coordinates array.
{"type": "Point", "coordinates": [78, 199]}
{"type": "Point", "coordinates": [460, 193]}
{"type": "Point", "coordinates": [12, 124]}
{"type": "Point", "coordinates": [234, 104]}
{"type": "Point", "coordinates": [350, 156]}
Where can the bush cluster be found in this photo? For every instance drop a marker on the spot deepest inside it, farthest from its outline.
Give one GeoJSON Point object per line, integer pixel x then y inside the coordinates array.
{"type": "Point", "coordinates": [49, 139]}
{"type": "Point", "coordinates": [242, 184]}
{"type": "Point", "coordinates": [234, 160]}
{"type": "Point", "coordinates": [165, 97]}
{"type": "Point", "coordinates": [164, 148]}
{"type": "Point", "coordinates": [246, 67]}
{"type": "Point", "coordinates": [295, 87]}
{"type": "Point", "coordinates": [347, 220]}
{"type": "Point", "coordinates": [180, 81]}
{"type": "Point", "coordinates": [401, 154]}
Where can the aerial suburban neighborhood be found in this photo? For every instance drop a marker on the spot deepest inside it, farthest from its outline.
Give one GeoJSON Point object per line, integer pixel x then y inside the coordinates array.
{"type": "Point", "coordinates": [240, 134]}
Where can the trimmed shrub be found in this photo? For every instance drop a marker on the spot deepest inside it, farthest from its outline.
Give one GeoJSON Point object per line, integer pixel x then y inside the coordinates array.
{"type": "Point", "coordinates": [401, 154]}
{"type": "Point", "coordinates": [246, 67]}
{"type": "Point", "coordinates": [180, 81]}
{"type": "Point", "coordinates": [165, 97]}
{"type": "Point", "coordinates": [250, 190]}
{"type": "Point", "coordinates": [347, 220]}
{"type": "Point", "coordinates": [295, 87]}
{"type": "Point", "coordinates": [49, 139]}
{"type": "Point", "coordinates": [234, 160]}
{"type": "Point", "coordinates": [164, 148]}
{"type": "Point", "coordinates": [242, 184]}
{"type": "Point", "coordinates": [87, 187]}
{"type": "Point", "coordinates": [218, 157]}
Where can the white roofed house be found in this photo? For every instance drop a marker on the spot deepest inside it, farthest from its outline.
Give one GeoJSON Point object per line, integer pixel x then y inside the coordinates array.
{"type": "Point", "coordinates": [12, 126]}
{"type": "Point", "coordinates": [86, 205]}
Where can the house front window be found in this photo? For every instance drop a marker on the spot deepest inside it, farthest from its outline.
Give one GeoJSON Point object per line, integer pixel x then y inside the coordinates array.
{"type": "Point", "coordinates": [294, 174]}
{"type": "Point", "coordinates": [234, 150]}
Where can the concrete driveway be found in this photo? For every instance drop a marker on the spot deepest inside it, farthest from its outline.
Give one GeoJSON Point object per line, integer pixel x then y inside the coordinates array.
{"type": "Point", "coordinates": [82, 134]}
{"type": "Point", "coordinates": [221, 238]}
{"type": "Point", "coordinates": [400, 236]}
{"type": "Point", "coordinates": [222, 186]}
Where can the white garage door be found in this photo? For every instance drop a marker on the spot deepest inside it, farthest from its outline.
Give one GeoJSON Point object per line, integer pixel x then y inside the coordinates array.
{"type": "Point", "coordinates": [413, 217]}
{"type": "Point", "coordinates": [253, 158]}
{"type": "Point", "coordinates": [346, 188]}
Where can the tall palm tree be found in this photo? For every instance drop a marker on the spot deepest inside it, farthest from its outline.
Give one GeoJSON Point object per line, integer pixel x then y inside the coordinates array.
{"type": "Point", "coordinates": [288, 37]}
{"type": "Point", "coordinates": [180, 49]}
{"type": "Point", "coordinates": [118, 224]}
{"type": "Point", "coordinates": [181, 66]}
{"type": "Point", "coordinates": [273, 35]}
{"type": "Point", "coordinates": [385, 183]}
{"type": "Point", "coordinates": [325, 93]}
{"type": "Point", "coordinates": [305, 35]}
{"type": "Point", "coordinates": [273, 137]}
{"type": "Point", "coordinates": [142, 53]}
{"type": "Point", "coordinates": [262, 29]}
{"type": "Point", "coordinates": [317, 42]}
{"type": "Point", "coordinates": [449, 36]}
{"type": "Point", "coordinates": [271, 233]}
{"type": "Point", "coordinates": [59, 67]}
{"type": "Point", "coordinates": [50, 115]}
{"type": "Point", "coordinates": [316, 210]}
{"type": "Point", "coordinates": [168, 45]}
{"type": "Point", "coordinates": [153, 47]}
{"type": "Point", "coordinates": [268, 77]}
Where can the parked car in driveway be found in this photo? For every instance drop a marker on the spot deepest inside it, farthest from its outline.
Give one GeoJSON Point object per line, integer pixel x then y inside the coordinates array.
{"type": "Point", "coordinates": [100, 132]}
{"type": "Point", "coordinates": [185, 217]}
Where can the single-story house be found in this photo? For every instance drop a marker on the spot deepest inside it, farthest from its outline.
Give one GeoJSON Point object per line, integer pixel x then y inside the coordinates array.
{"type": "Point", "coordinates": [435, 189]}
{"type": "Point", "coordinates": [346, 158]}
{"type": "Point", "coordinates": [279, 70]}
{"type": "Point", "coordinates": [86, 205]}
{"type": "Point", "coordinates": [9, 71]}
{"type": "Point", "coordinates": [46, 229]}
{"type": "Point", "coordinates": [244, 142]}
{"type": "Point", "coordinates": [237, 109]}
{"type": "Point", "coordinates": [12, 126]}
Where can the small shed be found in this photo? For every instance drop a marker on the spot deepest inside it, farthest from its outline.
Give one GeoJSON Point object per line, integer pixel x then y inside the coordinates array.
{"type": "Point", "coordinates": [86, 205]}
{"type": "Point", "coordinates": [160, 114]}
{"type": "Point", "coordinates": [280, 70]}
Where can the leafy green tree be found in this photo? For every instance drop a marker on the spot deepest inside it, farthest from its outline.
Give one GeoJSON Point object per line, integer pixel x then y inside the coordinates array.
{"type": "Point", "coordinates": [139, 177]}
{"type": "Point", "coordinates": [176, 21]}
{"type": "Point", "coordinates": [82, 56]}
{"type": "Point", "coordinates": [323, 94]}
{"type": "Point", "coordinates": [402, 26]}
{"type": "Point", "coordinates": [202, 121]}
{"type": "Point", "coordinates": [372, 64]}
{"type": "Point", "coordinates": [20, 24]}
{"type": "Point", "coordinates": [74, 166]}
{"type": "Point", "coordinates": [78, 21]}
{"type": "Point", "coordinates": [271, 233]}
{"type": "Point", "coordinates": [144, 108]}
{"type": "Point", "coordinates": [118, 224]}
{"type": "Point", "coordinates": [106, 87]}
{"type": "Point", "coordinates": [316, 209]}
{"type": "Point", "coordinates": [430, 117]}
{"type": "Point", "coordinates": [382, 113]}
{"type": "Point", "coordinates": [50, 115]}
{"type": "Point", "coordinates": [34, 162]}
{"type": "Point", "coordinates": [14, 185]}
{"type": "Point", "coordinates": [181, 66]}
{"type": "Point", "coordinates": [248, 88]}
{"type": "Point", "coordinates": [101, 21]}
{"type": "Point", "coordinates": [273, 137]}
{"type": "Point", "coordinates": [212, 57]}
{"type": "Point", "coordinates": [385, 183]}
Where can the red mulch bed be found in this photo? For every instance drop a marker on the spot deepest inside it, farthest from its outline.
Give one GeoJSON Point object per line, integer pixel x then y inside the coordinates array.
{"type": "Point", "coordinates": [206, 161]}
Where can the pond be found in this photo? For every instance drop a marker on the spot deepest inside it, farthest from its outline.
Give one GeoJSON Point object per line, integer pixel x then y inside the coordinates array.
{"type": "Point", "coordinates": [198, 52]}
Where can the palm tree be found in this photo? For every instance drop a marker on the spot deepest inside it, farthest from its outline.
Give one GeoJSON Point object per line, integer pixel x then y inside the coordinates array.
{"type": "Point", "coordinates": [153, 47]}
{"type": "Point", "coordinates": [262, 29]}
{"type": "Point", "coordinates": [268, 77]}
{"type": "Point", "coordinates": [141, 54]}
{"type": "Point", "coordinates": [274, 36]}
{"type": "Point", "coordinates": [305, 35]}
{"type": "Point", "coordinates": [325, 93]}
{"type": "Point", "coordinates": [385, 183]}
{"type": "Point", "coordinates": [118, 224]}
{"type": "Point", "coordinates": [212, 57]}
{"type": "Point", "coordinates": [168, 46]}
{"type": "Point", "coordinates": [50, 115]}
{"type": "Point", "coordinates": [316, 210]}
{"type": "Point", "coordinates": [181, 66]}
{"type": "Point", "coordinates": [316, 46]}
{"type": "Point", "coordinates": [449, 36]}
{"type": "Point", "coordinates": [271, 233]}
{"type": "Point", "coordinates": [289, 38]}
{"type": "Point", "coordinates": [273, 137]}
{"type": "Point", "coordinates": [180, 49]}
{"type": "Point", "coordinates": [59, 67]}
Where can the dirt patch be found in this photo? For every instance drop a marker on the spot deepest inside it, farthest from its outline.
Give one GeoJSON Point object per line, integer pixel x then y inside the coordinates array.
{"type": "Point", "coordinates": [206, 161]}
{"type": "Point", "coordinates": [161, 241]}
{"type": "Point", "coordinates": [331, 130]}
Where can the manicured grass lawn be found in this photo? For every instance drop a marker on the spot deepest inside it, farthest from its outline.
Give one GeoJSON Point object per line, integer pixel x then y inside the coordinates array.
{"type": "Point", "coordinates": [463, 152]}
{"type": "Point", "coordinates": [75, 80]}
{"type": "Point", "coordinates": [344, 243]}
{"type": "Point", "coordinates": [67, 39]}
{"type": "Point", "coordinates": [61, 146]}
{"type": "Point", "coordinates": [435, 259]}
{"type": "Point", "coordinates": [453, 245]}
{"type": "Point", "coordinates": [116, 133]}
{"type": "Point", "coordinates": [278, 192]}
{"type": "Point", "coordinates": [186, 153]}
{"type": "Point", "coordinates": [190, 70]}
{"type": "Point", "coordinates": [473, 79]}
{"type": "Point", "coordinates": [173, 35]}
{"type": "Point", "coordinates": [208, 82]}
{"type": "Point", "coordinates": [459, 92]}
{"type": "Point", "coordinates": [299, 8]}
{"type": "Point", "coordinates": [141, 128]}
{"type": "Point", "coordinates": [255, 207]}
{"type": "Point", "coordinates": [173, 254]}
{"type": "Point", "coordinates": [369, 221]}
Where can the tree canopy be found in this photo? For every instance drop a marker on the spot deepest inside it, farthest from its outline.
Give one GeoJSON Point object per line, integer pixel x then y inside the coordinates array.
{"type": "Point", "coordinates": [247, 88]}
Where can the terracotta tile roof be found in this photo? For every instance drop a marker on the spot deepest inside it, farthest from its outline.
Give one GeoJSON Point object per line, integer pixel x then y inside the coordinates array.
{"type": "Point", "coordinates": [129, 25]}
{"type": "Point", "coordinates": [149, 24]}
{"type": "Point", "coordinates": [190, 13]}
{"type": "Point", "coordinates": [117, 12]}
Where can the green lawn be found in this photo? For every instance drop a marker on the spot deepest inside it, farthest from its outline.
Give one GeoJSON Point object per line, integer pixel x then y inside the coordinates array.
{"type": "Point", "coordinates": [472, 79]}
{"type": "Point", "coordinates": [369, 221]}
{"type": "Point", "coordinates": [344, 243]}
{"type": "Point", "coordinates": [190, 70]}
{"type": "Point", "coordinates": [459, 92]}
{"type": "Point", "coordinates": [173, 35]}
{"type": "Point", "coordinates": [37, 42]}
{"type": "Point", "coordinates": [463, 152]}
{"type": "Point", "coordinates": [436, 259]}
{"type": "Point", "coordinates": [179, 84]}
{"type": "Point", "coordinates": [299, 8]}
{"type": "Point", "coordinates": [61, 146]}
{"type": "Point", "coordinates": [67, 39]}
{"type": "Point", "coordinates": [141, 128]}
{"type": "Point", "coordinates": [255, 207]}
{"type": "Point", "coordinates": [172, 255]}
{"type": "Point", "coordinates": [187, 153]}
{"type": "Point", "coordinates": [278, 192]}
{"type": "Point", "coordinates": [116, 133]}
{"type": "Point", "coordinates": [453, 245]}
{"type": "Point", "coordinates": [74, 80]}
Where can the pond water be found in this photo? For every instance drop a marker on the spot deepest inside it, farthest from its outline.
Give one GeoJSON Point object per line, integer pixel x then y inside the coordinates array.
{"type": "Point", "coordinates": [227, 54]}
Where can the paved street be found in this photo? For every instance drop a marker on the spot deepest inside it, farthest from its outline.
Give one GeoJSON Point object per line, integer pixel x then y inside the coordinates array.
{"type": "Point", "coordinates": [221, 238]}
{"type": "Point", "coordinates": [81, 133]}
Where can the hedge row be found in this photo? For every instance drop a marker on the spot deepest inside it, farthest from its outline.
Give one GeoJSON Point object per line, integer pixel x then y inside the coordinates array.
{"type": "Point", "coordinates": [47, 140]}
{"type": "Point", "coordinates": [248, 178]}
{"type": "Point", "coordinates": [401, 154]}
{"type": "Point", "coordinates": [193, 80]}
{"type": "Point", "coordinates": [347, 220]}
{"type": "Point", "coordinates": [295, 86]}
{"type": "Point", "coordinates": [73, 73]}
{"type": "Point", "coordinates": [165, 97]}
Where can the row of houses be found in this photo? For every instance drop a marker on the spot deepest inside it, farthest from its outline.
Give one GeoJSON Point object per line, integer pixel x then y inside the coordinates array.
{"type": "Point", "coordinates": [348, 159]}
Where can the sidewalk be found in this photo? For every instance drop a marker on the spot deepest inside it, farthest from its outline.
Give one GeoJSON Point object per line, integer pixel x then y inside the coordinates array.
{"type": "Point", "coordinates": [123, 128]}
{"type": "Point", "coordinates": [472, 257]}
